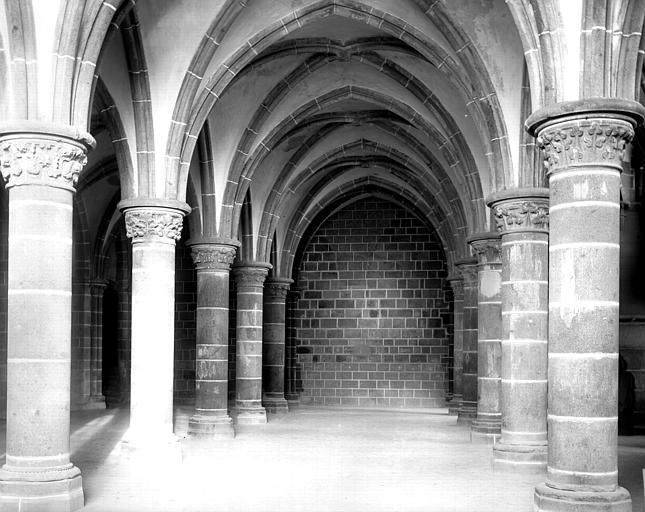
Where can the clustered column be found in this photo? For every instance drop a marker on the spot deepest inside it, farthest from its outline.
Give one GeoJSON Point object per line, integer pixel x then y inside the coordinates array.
{"type": "Point", "coordinates": [41, 169]}
{"type": "Point", "coordinates": [457, 284]}
{"type": "Point", "coordinates": [468, 408]}
{"type": "Point", "coordinates": [522, 217]}
{"type": "Point", "coordinates": [273, 351]}
{"type": "Point", "coordinates": [583, 143]}
{"type": "Point", "coordinates": [154, 226]}
{"type": "Point", "coordinates": [213, 261]}
{"type": "Point", "coordinates": [249, 279]}
{"type": "Point", "coordinates": [486, 247]}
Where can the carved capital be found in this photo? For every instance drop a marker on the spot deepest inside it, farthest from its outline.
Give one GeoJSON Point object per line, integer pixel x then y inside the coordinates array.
{"type": "Point", "coordinates": [277, 288]}
{"type": "Point", "coordinates": [521, 215]}
{"type": "Point", "coordinates": [149, 223]}
{"type": "Point", "coordinates": [250, 276]}
{"type": "Point", "coordinates": [213, 256]}
{"type": "Point", "coordinates": [468, 271]}
{"type": "Point", "coordinates": [487, 249]}
{"type": "Point", "coordinates": [457, 285]}
{"type": "Point", "coordinates": [579, 141]}
{"type": "Point", "coordinates": [41, 161]}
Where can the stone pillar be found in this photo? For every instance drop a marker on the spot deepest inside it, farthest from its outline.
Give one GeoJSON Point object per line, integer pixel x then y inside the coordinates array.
{"type": "Point", "coordinates": [457, 284]}
{"type": "Point", "coordinates": [154, 226]}
{"type": "Point", "coordinates": [468, 408]}
{"type": "Point", "coordinates": [41, 169]}
{"type": "Point", "coordinates": [522, 217]}
{"type": "Point", "coordinates": [486, 246]}
{"type": "Point", "coordinates": [249, 279]}
{"type": "Point", "coordinates": [273, 344]}
{"type": "Point", "coordinates": [583, 144]}
{"type": "Point", "coordinates": [96, 399]}
{"type": "Point", "coordinates": [213, 260]}
{"type": "Point", "coordinates": [291, 373]}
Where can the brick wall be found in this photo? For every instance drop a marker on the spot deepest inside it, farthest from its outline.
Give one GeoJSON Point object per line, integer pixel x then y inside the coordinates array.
{"type": "Point", "coordinates": [372, 321]}
{"type": "Point", "coordinates": [185, 335]}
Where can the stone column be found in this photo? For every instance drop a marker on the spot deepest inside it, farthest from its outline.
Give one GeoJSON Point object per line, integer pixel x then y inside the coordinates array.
{"type": "Point", "coordinates": [468, 408]}
{"type": "Point", "coordinates": [249, 279]}
{"type": "Point", "coordinates": [41, 168]}
{"type": "Point", "coordinates": [273, 346]}
{"type": "Point", "coordinates": [291, 373]}
{"type": "Point", "coordinates": [522, 217]}
{"type": "Point", "coordinates": [97, 399]}
{"type": "Point", "coordinates": [154, 225]}
{"type": "Point", "coordinates": [583, 144]}
{"type": "Point", "coordinates": [457, 284]}
{"type": "Point", "coordinates": [486, 246]}
{"type": "Point", "coordinates": [213, 260]}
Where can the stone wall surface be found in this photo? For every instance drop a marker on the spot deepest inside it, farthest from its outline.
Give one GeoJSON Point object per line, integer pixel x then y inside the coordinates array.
{"type": "Point", "coordinates": [373, 317]}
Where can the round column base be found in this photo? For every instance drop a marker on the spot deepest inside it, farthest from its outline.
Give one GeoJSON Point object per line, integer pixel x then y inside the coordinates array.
{"type": "Point", "coordinates": [524, 458]}
{"type": "Point", "coordinates": [211, 426]}
{"type": "Point", "coordinates": [548, 499]}
{"type": "Point", "coordinates": [293, 399]}
{"type": "Point", "coordinates": [151, 451]}
{"type": "Point", "coordinates": [485, 431]}
{"type": "Point", "coordinates": [250, 416]}
{"type": "Point", "coordinates": [466, 414]}
{"type": "Point", "coordinates": [92, 403]}
{"type": "Point", "coordinates": [276, 405]}
{"type": "Point", "coordinates": [31, 492]}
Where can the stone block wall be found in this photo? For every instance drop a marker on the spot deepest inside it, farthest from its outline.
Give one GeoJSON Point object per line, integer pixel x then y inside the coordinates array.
{"type": "Point", "coordinates": [373, 318]}
{"type": "Point", "coordinates": [185, 318]}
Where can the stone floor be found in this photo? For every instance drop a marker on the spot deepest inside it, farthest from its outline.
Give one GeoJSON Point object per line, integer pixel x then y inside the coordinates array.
{"type": "Point", "coordinates": [315, 459]}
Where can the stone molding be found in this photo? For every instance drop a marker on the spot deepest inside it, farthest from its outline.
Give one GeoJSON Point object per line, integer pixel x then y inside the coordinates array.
{"type": "Point", "coordinates": [584, 141]}
{"type": "Point", "coordinates": [33, 160]}
{"type": "Point", "coordinates": [468, 271]}
{"type": "Point", "coordinates": [213, 256]}
{"type": "Point", "coordinates": [521, 214]}
{"type": "Point", "coordinates": [277, 288]}
{"type": "Point", "coordinates": [250, 276]}
{"type": "Point", "coordinates": [486, 248]}
{"type": "Point", "coordinates": [143, 223]}
{"type": "Point", "coordinates": [457, 285]}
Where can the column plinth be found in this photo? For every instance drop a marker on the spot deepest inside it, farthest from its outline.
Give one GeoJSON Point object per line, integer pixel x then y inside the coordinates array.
{"type": "Point", "coordinates": [583, 143]}
{"type": "Point", "coordinates": [273, 345]}
{"type": "Point", "coordinates": [249, 280]}
{"type": "Point", "coordinates": [522, 218]}
{"type": "Point", "coordinates": [487, 425]}
{"type": "Point", "coordinates": [213, 260]}
{"type": "Point", "coordinates": [41, 170]}
{"type": "Point", "coordinates": [467, 411]}
{"type": "Point", "coordinates": [457, 284]}
{"type": "Point", "coordinates": [154, 226]}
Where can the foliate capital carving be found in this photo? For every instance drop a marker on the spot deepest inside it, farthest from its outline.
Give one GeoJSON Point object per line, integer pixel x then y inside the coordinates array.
{"type": "Point", "coordinates": [277, 289]}
{"type": "Point", "coordinates": [469, 274]}
{"type": "Point", "coordinates": [213, 256]}
{"type": "Point", "coordinates": [457, 285]}
{"type": "Point", "coordinates": [37, 161]}
{"type": "Point", "coordinates": [599, 141]}
{"type": "Point", "coordinates": [147, 223]}
{"type": "Point", "coordinates": [522, 214]}
{"type": "Point", "coordinates": [247, 276]}
{"type": "Point", "coordinates": [487, 250]}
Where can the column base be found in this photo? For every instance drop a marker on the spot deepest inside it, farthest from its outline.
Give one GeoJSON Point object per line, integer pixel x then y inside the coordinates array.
{"type": "Point", "coordinates": [454, 405]}
{"type": "Point", "coordinates": [293, 399]}
{"type": "Point", "coordinates": [485, 431]}
{"type": "Point", "coordinates": [524, 458]}
{"type": "Point", "coordinates": [151, 451]}
{"type": "Point", "coordinates": [32, 492]}
{"type": "Point", "coordinates": [250, 416]}
{"type": "Point", "coordinates": [466, 414]}
{"type": "Point", "coordinates": [211, 426]}
{"type": "Point", "coordinates": [276, 405]}
{"type": "Point", "coordinates": [548, 499]}
{"type": "Point", "coordinates": [92, 403]}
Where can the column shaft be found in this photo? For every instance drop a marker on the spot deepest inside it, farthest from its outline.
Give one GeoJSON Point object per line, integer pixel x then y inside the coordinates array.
{"type": "Point", "coordinates": [584, 148]}
{"type": "Point", "coordinates": [273, 350]}
{"type": "Point", "coordinates": [457, 284]}
{"type": "Point", "coordinates": [291, 374]}
{"type": "Point", "coordinates": [249, 280]}
{"type": "Point", "coordinates": [41, 172]}
{"type": "Point", "coordinates": [468, 409]}
{"type": "Point", "coordinates": [213, 262]}
{"type": "Point", "coordinates": [97, 399]}
{"type": "Point", "coordinates": [522, 218]}
{"type": "Point", "coordinates": [153, 228]}
{"type": "Point", "coordinates": [487, 425]}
